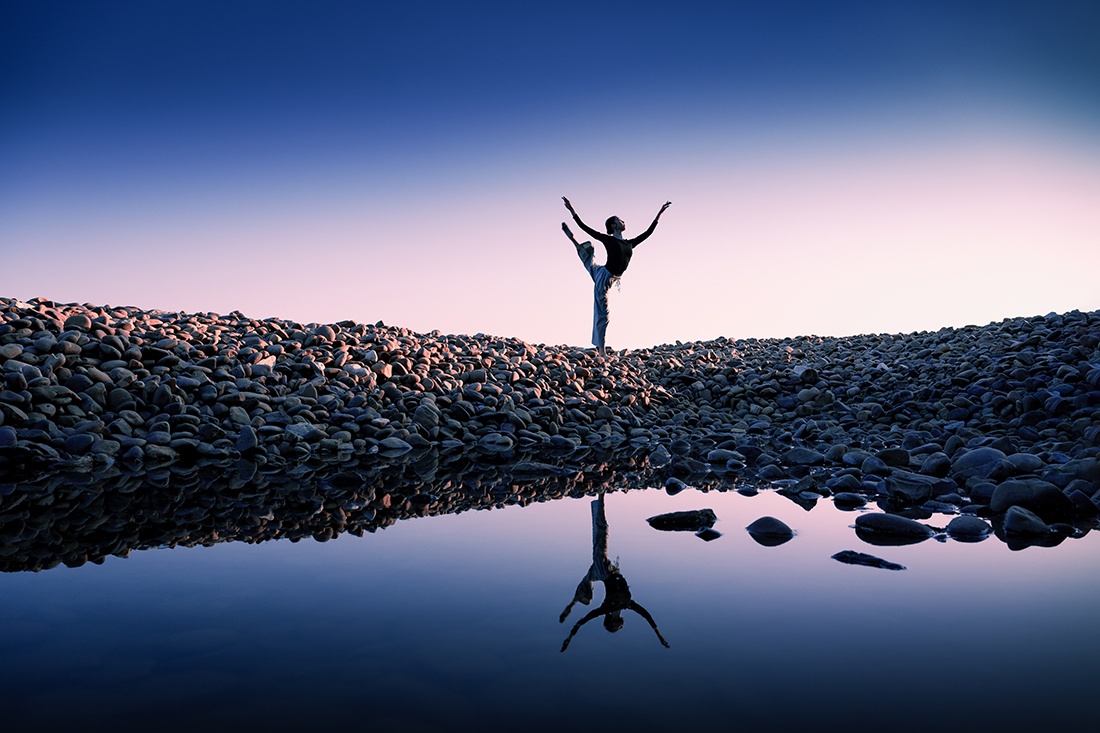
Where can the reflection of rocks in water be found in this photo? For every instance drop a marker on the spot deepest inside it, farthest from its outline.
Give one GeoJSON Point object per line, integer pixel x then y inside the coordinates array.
{"type": "Point", "coordinates": [72, 519]}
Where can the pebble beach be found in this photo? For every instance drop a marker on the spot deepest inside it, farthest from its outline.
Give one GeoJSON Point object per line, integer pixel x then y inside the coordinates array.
{"type": "Point", "coordinates": [996, 422]}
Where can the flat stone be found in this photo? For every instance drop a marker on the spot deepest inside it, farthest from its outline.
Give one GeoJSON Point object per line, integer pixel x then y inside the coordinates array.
{"type": "Point", "coordinates": [851, 557]}
{"type": "Point", "coordinates": [892, 524]}
{"type": "Point", "coordinates": [687, 521]}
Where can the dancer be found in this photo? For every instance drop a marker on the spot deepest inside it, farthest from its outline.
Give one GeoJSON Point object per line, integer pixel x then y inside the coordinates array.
{"type": "Point", "coordinates": [619, 252]}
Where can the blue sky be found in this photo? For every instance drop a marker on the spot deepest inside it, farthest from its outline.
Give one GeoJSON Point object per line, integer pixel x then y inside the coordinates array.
{"type": "Point", "coordinates": [840, 168]}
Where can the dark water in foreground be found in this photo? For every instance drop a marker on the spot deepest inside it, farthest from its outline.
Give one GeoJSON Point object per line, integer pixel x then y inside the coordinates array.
{"type": "Point", "coordinates": [452, 622]}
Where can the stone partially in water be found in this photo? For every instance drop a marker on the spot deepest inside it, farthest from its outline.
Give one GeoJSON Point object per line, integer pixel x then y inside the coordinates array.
{"type": "Point", "coordinates": [848, 500]}
{"type": "Point", "coordinates": [851, 557]}
{"type": "Point", "coordinates": [890, 529]}
{"type": "Point", "coordinates": [1021, 521]}
{"type": "Point", "coordinates": [966, 528]}
{"type": "Point", "coordinates": [1038, 496]}
{"type": "Point", "coordinates": [689, 521]}
{"type": "Point", "coordinates": [770, 532]}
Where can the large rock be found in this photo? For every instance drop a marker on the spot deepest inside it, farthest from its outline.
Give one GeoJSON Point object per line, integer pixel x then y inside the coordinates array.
{"type": "Point", "coordinates": [981, 463]}
{"type": "Point", "coordinates": [1035, 495]}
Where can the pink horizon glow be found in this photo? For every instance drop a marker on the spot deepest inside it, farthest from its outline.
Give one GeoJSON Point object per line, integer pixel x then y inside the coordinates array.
{"type": "Point", "coordinates": [795, 237]}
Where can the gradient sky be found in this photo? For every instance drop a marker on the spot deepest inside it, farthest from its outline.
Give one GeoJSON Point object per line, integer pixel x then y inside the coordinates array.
{"type": "Point", "coordinates": [834, 168]}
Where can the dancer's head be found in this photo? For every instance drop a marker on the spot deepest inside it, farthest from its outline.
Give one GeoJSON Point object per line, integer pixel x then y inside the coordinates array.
{"type": "Point", "coordinates": [615, 223]}
{"type": "Point", "coordinates": [613, 621]}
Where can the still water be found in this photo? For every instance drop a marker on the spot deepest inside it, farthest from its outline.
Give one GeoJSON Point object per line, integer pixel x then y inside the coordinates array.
{"type": "Point", "coordinates": [451, 622]}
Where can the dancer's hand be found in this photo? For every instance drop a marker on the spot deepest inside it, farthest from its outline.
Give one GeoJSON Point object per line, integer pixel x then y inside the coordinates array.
{"type": "Point", "coordinates": [568, 205]}
{"type": "Point", "coordinates": [667, 204]}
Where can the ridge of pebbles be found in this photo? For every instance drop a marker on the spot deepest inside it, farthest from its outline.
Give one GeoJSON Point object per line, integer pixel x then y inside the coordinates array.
{"type": "Point", "coordinates": [948, 421]}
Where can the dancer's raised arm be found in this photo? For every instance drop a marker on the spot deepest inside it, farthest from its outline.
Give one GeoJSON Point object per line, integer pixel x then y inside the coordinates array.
{"type": "Point", "coordinates": [644, 235]}
{"type": "Point", "coordinates": [587, 229]}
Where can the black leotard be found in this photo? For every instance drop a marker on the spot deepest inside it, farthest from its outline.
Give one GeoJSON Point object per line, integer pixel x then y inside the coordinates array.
{"type": "Point", "coordinates": [619, 251]}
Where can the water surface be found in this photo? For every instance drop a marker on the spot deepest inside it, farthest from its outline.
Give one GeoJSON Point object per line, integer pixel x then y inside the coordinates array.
{"type": "Point", "coordinates": [450, 622]}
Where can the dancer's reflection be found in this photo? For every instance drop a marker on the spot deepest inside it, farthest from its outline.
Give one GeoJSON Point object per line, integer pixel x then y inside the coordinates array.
{"type": "Point", "coordinates": [616, 591]}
